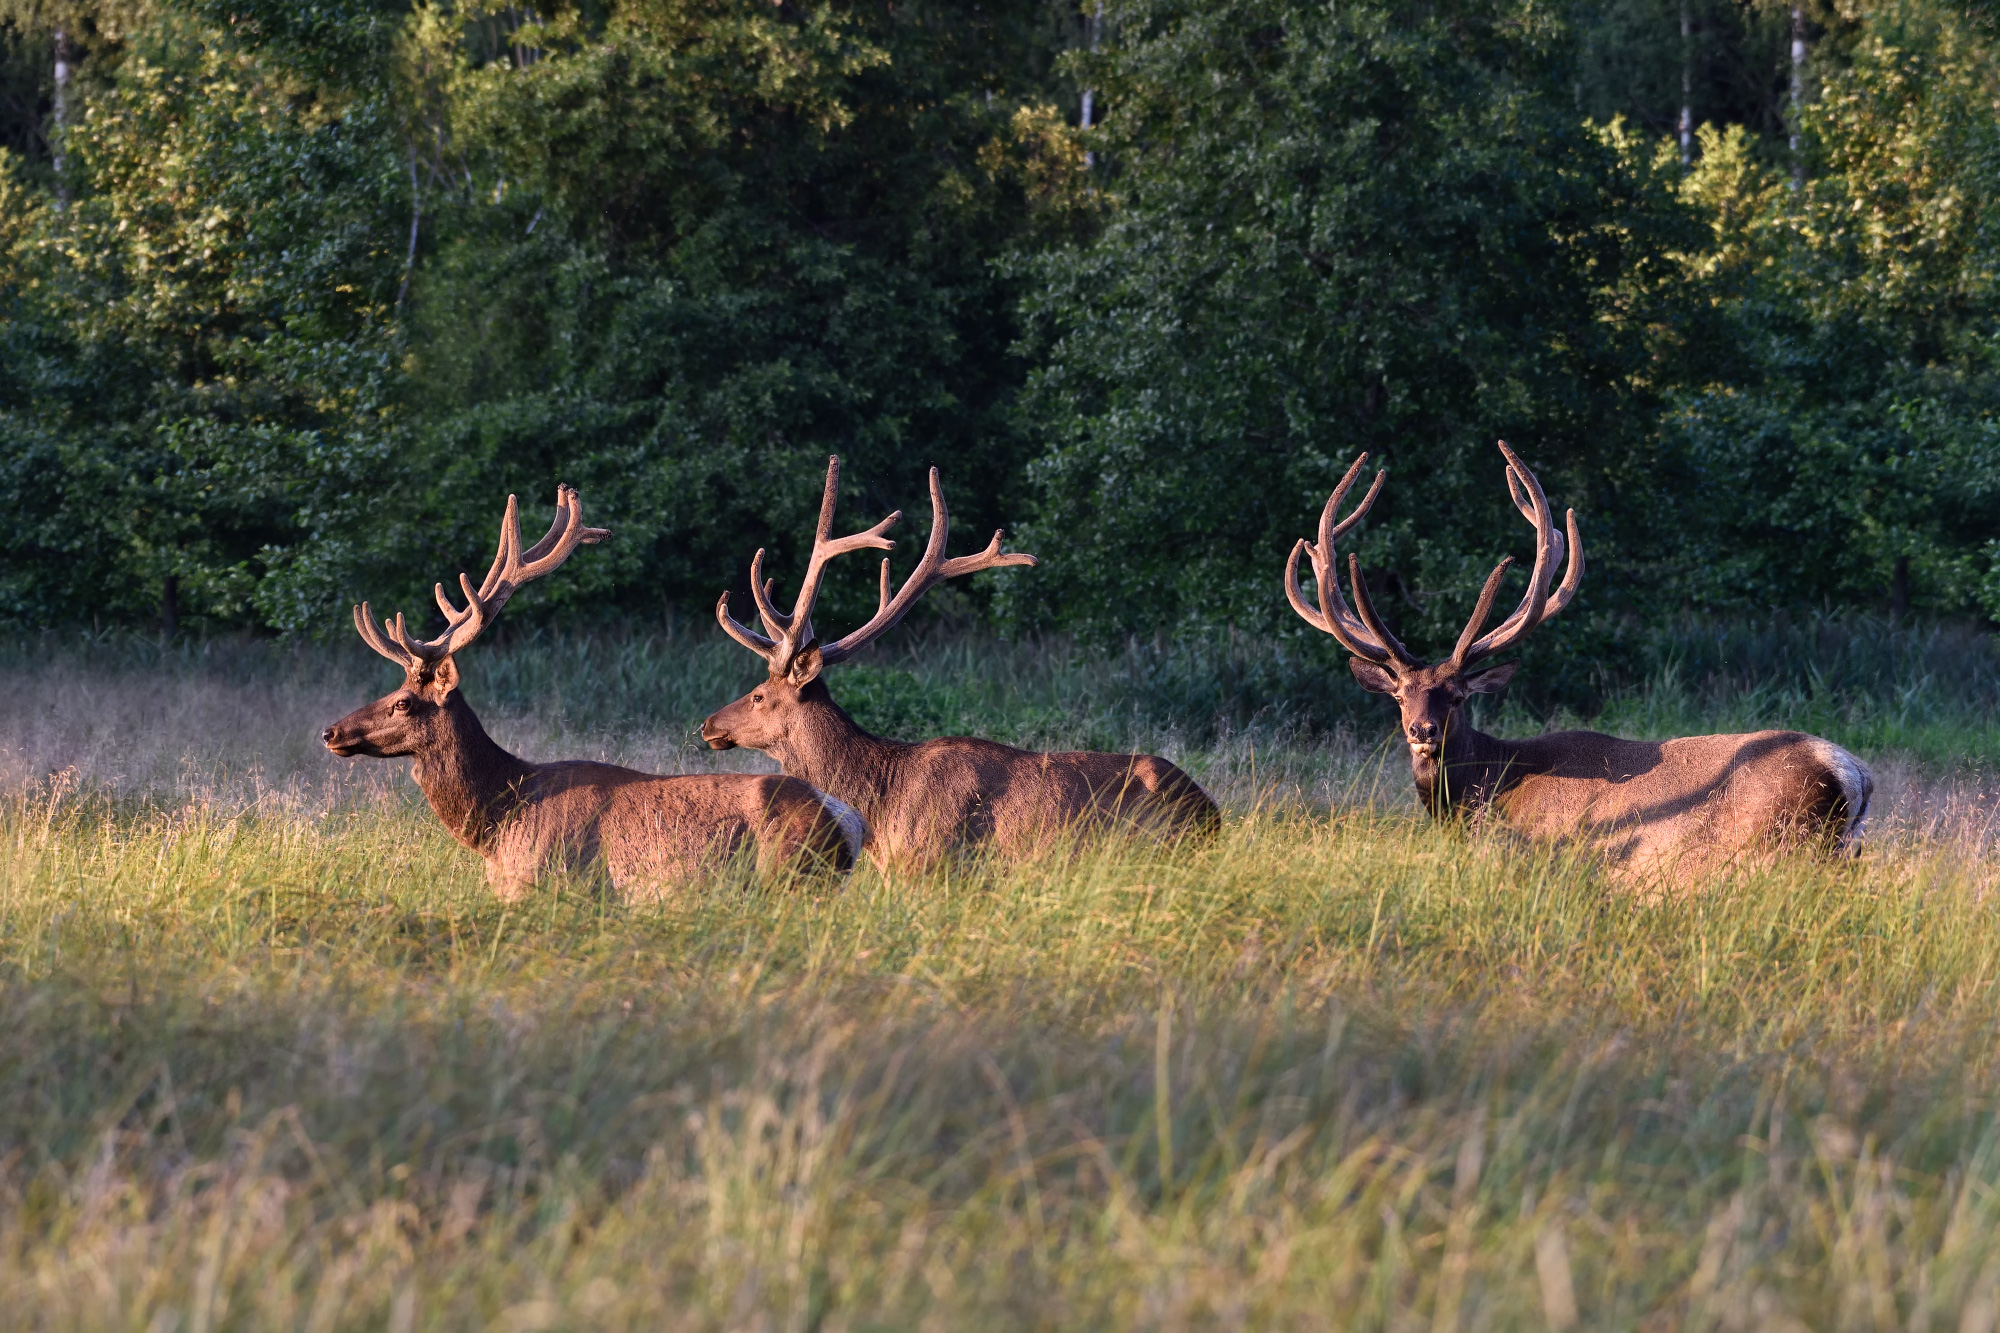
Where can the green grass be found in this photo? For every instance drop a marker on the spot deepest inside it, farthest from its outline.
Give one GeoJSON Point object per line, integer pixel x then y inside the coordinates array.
{"type": "Point", "coordinates": [271, 1056]}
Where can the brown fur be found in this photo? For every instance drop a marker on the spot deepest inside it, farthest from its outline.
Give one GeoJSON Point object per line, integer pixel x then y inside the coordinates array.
{"type": "Point", "coordinates": [1677, 806]}
{"type": "Point", "coordinates": [1692, 802]}
{"type": "Point", "coordinates": [924, 800]}
{"type": "Point", "coordinates": [646, 831]}
{"type": "Point", "coordinates": [1682, 805]}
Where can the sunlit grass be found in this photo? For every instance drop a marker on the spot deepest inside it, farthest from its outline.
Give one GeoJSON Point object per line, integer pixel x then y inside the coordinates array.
{"type": "Point", "coordinates": [272, 1056]}
{"type": "Point", "coordinates": [290, 1070]}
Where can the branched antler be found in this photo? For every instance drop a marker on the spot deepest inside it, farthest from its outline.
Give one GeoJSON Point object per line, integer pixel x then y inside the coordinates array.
{"type": "Point", "coordinates": [1367, 637]}
{"type": "Point", "coordinates": [1538, 603]}
{"type": "Point", "coordinates": [1364, 636]}
{"type": "Point", "coordinates": [788, 634]}
{"type": "Point", "coordinates": [511, 568]}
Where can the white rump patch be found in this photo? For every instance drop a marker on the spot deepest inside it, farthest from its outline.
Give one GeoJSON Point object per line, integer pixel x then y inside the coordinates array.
{"type": "Point", "coordinates": [852, 826]}
{"type": "Point", "coordinates": [1857, 784]}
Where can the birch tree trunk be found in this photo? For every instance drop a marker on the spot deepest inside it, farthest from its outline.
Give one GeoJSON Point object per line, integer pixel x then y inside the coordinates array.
{"type": "Point", "coordinates": [1687, 89]}
{"type": "Point", "coordinates": [59, 137]}
{"type": "Point", "coordinates": [1798, 93]}
{"type": "Point", "coordinates": [1096, 26]}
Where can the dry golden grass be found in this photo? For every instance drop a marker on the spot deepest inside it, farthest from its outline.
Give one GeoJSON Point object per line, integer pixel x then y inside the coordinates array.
{"type": "Point", "coordinates": [272, 1057]}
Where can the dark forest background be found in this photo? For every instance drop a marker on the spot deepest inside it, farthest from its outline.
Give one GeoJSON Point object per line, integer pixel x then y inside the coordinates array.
{"type": "Point", "coordinates": [293, 294]}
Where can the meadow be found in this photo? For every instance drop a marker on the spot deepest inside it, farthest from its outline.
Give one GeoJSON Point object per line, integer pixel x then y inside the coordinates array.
{"type": "Point", "coordinates": [271, 1055]}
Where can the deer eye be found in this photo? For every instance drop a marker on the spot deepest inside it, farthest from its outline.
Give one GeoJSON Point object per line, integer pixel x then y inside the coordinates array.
{"type": "Point", "coordinates": [757, 698]}
{"type": "Point", "coordinates": [400, 706]}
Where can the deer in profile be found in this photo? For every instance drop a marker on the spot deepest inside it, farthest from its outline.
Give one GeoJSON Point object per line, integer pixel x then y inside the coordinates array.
{"type": "Point", "coordinates": [526, 819]}
{"type": "Point", "coordinates": [1651, 806]}
{"type": "Point", "coordinates": [923, 800]}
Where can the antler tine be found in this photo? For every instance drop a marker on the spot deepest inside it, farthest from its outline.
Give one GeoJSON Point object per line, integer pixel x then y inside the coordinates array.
{"type": "Point", "coordinates": [565, 534]}
{"type": "Point", "coordinates": [455, 618]}
{"type": "Point", "coordinates": [507, 573]}
{"type": "Point", "coordinates": [990, 558]}
{"type": "Point", "coordinates": [1306, 613]}
{"type": "Point", "coordinates": [511, 568]}
{"type": "Point", "coordinates": [1333, 616]}
{"type": "Point", "coordinates": [421, 650]}
{"type": "Point", "coordinates": [505, 551]}
{"type": "Point", "coordinates": [1573, 574]}
{"type": "Point", "coordinates": [372, 635]}
{"type": "Point", "coordinates": [825, 550]}
{"type": "Point", "coordinates": [1537, 604]}
{"type": "Point", "coordinates": [1329, 531]}
{"type": "Point", "coordinates": [1366, 605]}
{"type": "Point", "coordinates": [1480, 611]}
{"type": "Point", "coordinates": [743, 634]}
{"type": "Point", "coordinates": [775, 622]}
{"type": "Point", "coordinates": [1526, 504]}
{"type": "Point", "coordinates": [1349, 634]}
{"type": "Point", "coordinates": [829, 496]}
{"type": "Point", "coordinates": [787, 633]}
{"type": "Point", "coordinates": [931, 570]}
{"type": "Point", "coordinates": [1326, 566]}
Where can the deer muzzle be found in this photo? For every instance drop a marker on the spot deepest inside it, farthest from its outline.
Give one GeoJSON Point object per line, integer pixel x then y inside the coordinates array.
{"type": "Point", "coordinates": [717, 738]}
{"type": "Point", "coordinates": [341, 743]}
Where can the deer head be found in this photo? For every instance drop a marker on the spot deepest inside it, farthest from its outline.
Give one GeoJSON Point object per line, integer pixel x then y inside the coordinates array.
{"type": "Point", "coordinates": [410, 718]}
{"type": "Point", "coordinates": [1430, 696]}
{"type": "Point", "coordinates": [788, 645]}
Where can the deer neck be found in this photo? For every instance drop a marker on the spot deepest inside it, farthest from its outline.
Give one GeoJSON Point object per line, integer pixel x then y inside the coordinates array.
{"type": "Point", "coordinates": [827, 748]}
{"type": "Point", "coordinates": [471, 783]}
{"type": "Point", "coordinates": [1471, 770]}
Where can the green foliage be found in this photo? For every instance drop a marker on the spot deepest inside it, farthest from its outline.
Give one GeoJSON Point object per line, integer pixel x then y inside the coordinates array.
{"type": "Point", "coordinates": [1732, 67]}
{"type": "Point", "coordinates": [1368, 226]}
{"type": "Point", "coordinates": [386, 269]}
{"type": "Point", "coordinates": [710, 245]}
{"type": "Point", "coordinates": [1849, 447]}
{"type": "Point", "coordinates": [323, 282]}
{"type": "Point", "coordinates": [197, 359]}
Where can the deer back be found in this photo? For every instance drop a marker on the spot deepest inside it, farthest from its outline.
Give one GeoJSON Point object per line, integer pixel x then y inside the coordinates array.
{"type": "Point", "coordinates": [649, 831]}
{"type": "Point", "coordinates": [961, 791]}
{"type": "Point", "coordinates": [1689, 802]}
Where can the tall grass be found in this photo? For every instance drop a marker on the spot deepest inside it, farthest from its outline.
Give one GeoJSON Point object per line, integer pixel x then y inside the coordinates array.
{"type": "Point", "coordinates": [271, 1056]}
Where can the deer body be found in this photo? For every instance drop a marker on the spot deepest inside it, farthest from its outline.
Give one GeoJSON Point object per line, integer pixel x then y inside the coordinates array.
{"type": "Point", "coordinates": [526, 819]}
{"type": "Point", "coordinates": [1673, 806]}
{"type": "Point", "coordinates": [1693, 802]}
{"type": "Point", "coordinates": [922, 800]}
{"type": "Point", "coordinates": [925, 799]}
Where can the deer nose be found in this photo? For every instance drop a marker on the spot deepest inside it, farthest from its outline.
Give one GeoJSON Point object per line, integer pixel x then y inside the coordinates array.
{"type": "Point", "coordinates": [1423, 731]}
{"type": "Point", "coordinates": [326, 737]}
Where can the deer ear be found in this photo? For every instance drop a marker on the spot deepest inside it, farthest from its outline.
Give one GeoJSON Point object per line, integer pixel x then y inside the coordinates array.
{"type": "Point", "coordinates": [805, 666]}
{"type": "Point", "coordinates": [442, 679]}
{"type": "Point", "coordinates": [1372, 676]}
{"type": "Point", "coordinates": [1490, 681]}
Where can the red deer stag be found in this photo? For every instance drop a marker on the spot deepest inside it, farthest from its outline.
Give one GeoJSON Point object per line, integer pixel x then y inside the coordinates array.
{"type": "Point", "coordinates": [922, 800]}
{"type": "Point", "coordinates": [527, 818]}
{"type": "Point", "coordinates": [1674, 805]}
